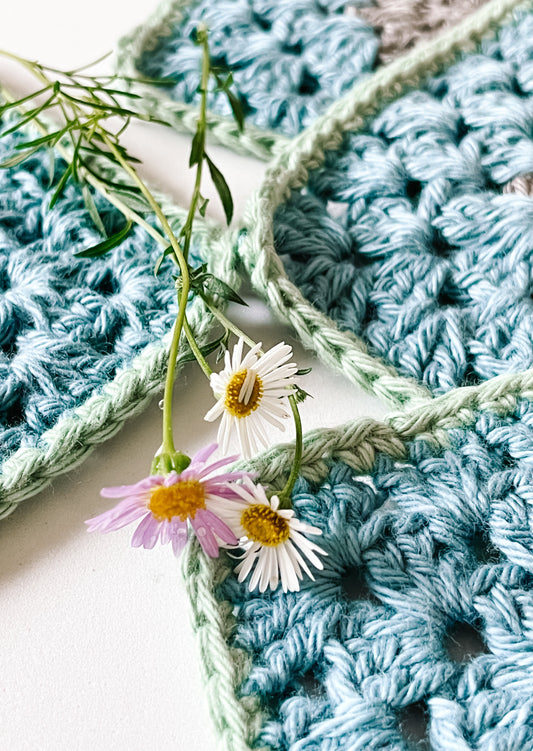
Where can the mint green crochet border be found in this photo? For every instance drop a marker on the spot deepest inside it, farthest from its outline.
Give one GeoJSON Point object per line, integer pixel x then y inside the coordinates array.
{"type": "Point", "coordinates": [340, 349]}
{"type": "Point", "coordinates": [223, 130]}
{"type": "Point", "coordinates": [238, 720]}
{"type": "Point", "coordinates": [29, 470]}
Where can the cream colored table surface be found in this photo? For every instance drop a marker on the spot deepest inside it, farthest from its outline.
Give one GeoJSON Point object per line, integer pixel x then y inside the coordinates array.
{"type": "Point", "coordinates": [96, 648]}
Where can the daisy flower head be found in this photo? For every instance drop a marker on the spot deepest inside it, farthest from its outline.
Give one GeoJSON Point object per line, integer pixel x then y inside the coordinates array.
{"type": "Point", "coordinates": [275, 541]}
{"type": "Point", "coordinates": [168, 506]}
{"type": "Point", "coordinates": [251, 391]}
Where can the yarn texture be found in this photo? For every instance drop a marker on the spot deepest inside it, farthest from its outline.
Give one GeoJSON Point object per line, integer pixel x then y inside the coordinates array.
{"type": "Point", "coordinates": [384, 234]}
{"type": "Point", "coordinates": [82, 341]}
{"type": "Point", "coordinates": [394, 234]}
{"type": "Point", "coordinates": [424, 543]}
{"type": "Point", "coordinates": [289, 60]}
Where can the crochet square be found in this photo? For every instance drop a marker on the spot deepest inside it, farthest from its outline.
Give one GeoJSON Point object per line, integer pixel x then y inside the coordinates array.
{"type": "Point", "coordinates": [395, 234]}
{"type": "Point", "coordinates": [81, 340]}
{"type": "Point", "coordinates": [439, 540]}
{"type": "Point", "coordinates": [289, 60]}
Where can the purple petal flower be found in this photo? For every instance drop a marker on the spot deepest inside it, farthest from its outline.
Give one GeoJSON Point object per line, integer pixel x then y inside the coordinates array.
{"type": "Point", "coordinates": [168, 507]}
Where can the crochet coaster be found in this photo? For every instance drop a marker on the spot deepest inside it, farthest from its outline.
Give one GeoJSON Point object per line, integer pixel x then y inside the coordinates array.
{"type": "Point", "coordinates": [82, 341]}
{"type": "Point", "coordinates": [418, 632]}
{"type": "Point", "coordinates": [289, 60]}
{"type": "Point", "coordinates": [395, 234]}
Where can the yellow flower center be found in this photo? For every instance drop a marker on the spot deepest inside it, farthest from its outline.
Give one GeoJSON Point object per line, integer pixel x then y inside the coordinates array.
{"type": "Point", "coordinates": [233, 403]}
{"type": "Point", "coordinates": [182, 499]}
{"type": "Point", "coordinates": [264, 525]}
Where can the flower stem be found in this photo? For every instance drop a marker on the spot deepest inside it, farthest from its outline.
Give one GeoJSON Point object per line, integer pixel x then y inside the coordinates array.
{"type": "Point", "coordinates": [202, 362]}
{"type": "Point", "coordinates": [225, 321]}
{"type": "Point", "coordinates": [200, 146]}
{"type": "Point", "coordinates": [168, 440]}
{"type": "Point", "coordinates": [285, 495]}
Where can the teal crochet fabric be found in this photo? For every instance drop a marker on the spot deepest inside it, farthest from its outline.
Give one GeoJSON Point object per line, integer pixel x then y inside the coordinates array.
{"type": "Point", "coordinates": [71, 327]}
{"type": "Point", "coordinates": [289, 59]}
{"type": "Point", "coordinates": [421, 549]}
{"type": "Point", "coordinates": [66, 324]}
{"type": "Point", "coordinates": [405, 237]}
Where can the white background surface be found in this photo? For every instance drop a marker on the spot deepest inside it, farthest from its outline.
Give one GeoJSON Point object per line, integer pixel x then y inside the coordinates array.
{"type": "Point", "coordinates": [96, 650]}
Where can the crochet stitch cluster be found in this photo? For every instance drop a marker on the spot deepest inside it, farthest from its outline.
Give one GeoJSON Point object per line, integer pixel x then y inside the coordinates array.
{"type": "Point", "coordinates": [289, 59]}
{"type": "Point", "coordinates": [408, 236]}
{"type": "Point", "coordinates": [441, 540]}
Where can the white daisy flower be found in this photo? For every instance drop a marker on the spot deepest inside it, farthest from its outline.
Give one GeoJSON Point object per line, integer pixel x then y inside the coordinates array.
{"type": "Point", "coordinates": [251, 391]}
{"type": "Point", "coordinates": [274, 539]}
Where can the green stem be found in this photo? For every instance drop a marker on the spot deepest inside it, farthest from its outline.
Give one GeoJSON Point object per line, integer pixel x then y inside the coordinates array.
{"type": "Point", "coordinates": [202, 362]}
{"type": "Point", "coordinates": [285, 495]}
{"type": "Point", "coordinates": [168, 440]}
{"type": "Point", "coordinates": [200, 132]}
{"type": "Point", "coordinates": [225, 321]}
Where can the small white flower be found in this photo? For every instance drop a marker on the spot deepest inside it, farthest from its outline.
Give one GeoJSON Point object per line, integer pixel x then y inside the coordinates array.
{"type": "Point", "coordinates": [251, 391]}
{"type": "Point", "coordinates": [275, 540]}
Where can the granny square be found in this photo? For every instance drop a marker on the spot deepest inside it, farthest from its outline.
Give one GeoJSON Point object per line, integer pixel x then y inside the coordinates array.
{"type": "Point", "coordinates": [418, 630]}
{"type": "Point", "coordinates": [82, 341]}
{"type": "Point", "coordinates": [289, 59]}
{"type": "Point", "coordinates": [395, 234]}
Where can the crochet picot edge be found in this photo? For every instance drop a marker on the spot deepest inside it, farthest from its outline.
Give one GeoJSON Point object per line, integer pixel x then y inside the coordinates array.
{"type": "Point", "coordinates": [238, 720]}
{"type": "Point", "coordinates": [343, 350]}
{"type": "Point", "coordinates": [222, 130]}
{"type": "Point", "coordinates": [64, 446]}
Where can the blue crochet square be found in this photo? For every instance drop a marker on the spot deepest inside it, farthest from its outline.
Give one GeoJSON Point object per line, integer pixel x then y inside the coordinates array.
{"type": "Point", "coordinates": [410, 235]}
{"type": "Point", "coordinates": [67, 325]}
{"type": "Point", "coordinates": [289, 60]}
{"type": "Point", "coordinates": [441, 544]}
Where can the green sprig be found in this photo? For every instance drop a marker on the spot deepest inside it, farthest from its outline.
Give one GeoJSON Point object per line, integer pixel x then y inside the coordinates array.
{"type": "Point", "coordinates": [94, 117]}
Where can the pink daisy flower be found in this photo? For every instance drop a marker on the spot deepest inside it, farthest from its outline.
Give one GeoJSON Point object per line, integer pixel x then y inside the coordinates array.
{"type": "Point", "coordinates": [167, 506]}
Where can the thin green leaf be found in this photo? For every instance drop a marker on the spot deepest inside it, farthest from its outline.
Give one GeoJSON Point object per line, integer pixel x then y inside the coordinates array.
{"type": "Point", "coordinates": [31, 115]}
{"type": "Point", "coordinates": [203, 207]}
{"type": "Point", "coordinates": [51, 138]}
{"type": "Point", "coordinates": [93, 149]}
{"type": "Point", "coordinates": [51, 165]}
{"type": "Point", "coordinates": [101, 248]}
{"type": "Point", "coordinates": [223, 345]}
{"type": "Point", "coordinates": [61, 184]}
{"type": "Point", "coordinates": [197, 146]}
{"type": "Point", "coordinates": [92, 209]}
{"type": "Point", "coordinates": [300, 395]}
{"type": "Point", "coordinates": [206, 350]}
{"type": "Point", "coordinates": [18, 158]}
{"type": "Point", "coordinates": [222, 189]}
{"type": "Point", "coordinates": [149, 81]}
{"type": "Point", "coordinates": [303, 371]}
{"type": "Point", "coordinates": [135, 202]}
{"type": "Point", "coordinates": [75, 156]}
{"type": "Point", "coordinates": [73, 71]}
{"type": "Point", "coordinates": [236, 108]}
{"type": "Point", "coordinates": [104, 89]}
{"type": "Point", "coordinates": [113, 110]}
{"type": "Point", "coordinates": [208, 285]}
{"type": "Point", "coordinates": [161, 258]}
{"type": "Point", "coordinates": [9, 105]}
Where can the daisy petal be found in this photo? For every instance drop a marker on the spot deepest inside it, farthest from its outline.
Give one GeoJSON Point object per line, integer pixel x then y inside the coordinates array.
{"type": "Point", "coordinates": [217, 526]}
{"type": "Point", "coordinates": [121, 491]}
{"type": "Point", "coordinates": [179, 537]}
{"type": "Point", "coordinates": [205, 537]}
{"type": "Point", "coordinates": [146, 534]}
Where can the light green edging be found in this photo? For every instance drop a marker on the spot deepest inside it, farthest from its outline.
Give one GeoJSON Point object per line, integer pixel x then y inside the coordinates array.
{"type": "Point", "coordinates": [28, 470]}
{"type": "Point", "coordinates": [183, 117]}
{"type": "Point", "coordinates": [339, 349]}
{"type": "Point", "coordinates": [238, 721]}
